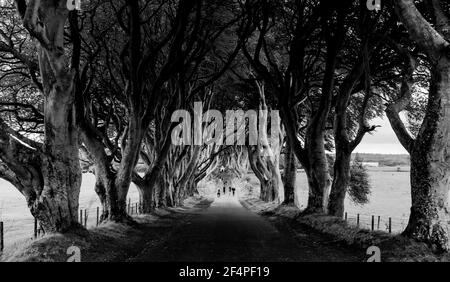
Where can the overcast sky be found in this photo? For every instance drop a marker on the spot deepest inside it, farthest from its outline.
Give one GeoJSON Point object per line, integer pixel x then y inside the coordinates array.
{"type": "Point", "coordinates": [382, 141]}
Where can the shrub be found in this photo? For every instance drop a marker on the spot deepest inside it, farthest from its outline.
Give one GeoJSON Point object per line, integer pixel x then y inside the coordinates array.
{"type": "Point", "coordinates": [359, 189]}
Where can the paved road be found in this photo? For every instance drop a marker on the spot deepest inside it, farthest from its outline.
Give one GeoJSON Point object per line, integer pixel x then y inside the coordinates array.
{"type": "Point", "coordinates": [228, 232]}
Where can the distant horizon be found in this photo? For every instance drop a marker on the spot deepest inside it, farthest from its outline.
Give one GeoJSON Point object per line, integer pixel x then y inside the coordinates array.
{"type": "Point", "coordinates": [382, 141]}
{"type": "Point", "coordinates": [385, 154]}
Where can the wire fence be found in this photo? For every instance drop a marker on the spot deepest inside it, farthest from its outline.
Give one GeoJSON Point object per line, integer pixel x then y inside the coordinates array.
{"type": "Point", "coordinates": [88, 217]}
{"type": "Point", "coordinates": [372, 222]}
{"type": "Point", "coordinates": [91, 217]}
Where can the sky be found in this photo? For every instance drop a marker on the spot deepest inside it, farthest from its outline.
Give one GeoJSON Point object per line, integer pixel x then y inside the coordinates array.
{"type": "Point", "coordinates": [382, 141]}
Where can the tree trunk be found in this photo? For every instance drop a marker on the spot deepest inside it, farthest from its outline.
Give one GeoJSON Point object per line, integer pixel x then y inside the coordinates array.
{"type": "Point", "coordinates": [343, 145]}
{"type": "Point", "coordinates": [290, 176]}
{"type": "Point", "coordinates": [130, 156]}
{"type": "Point", "coordinates": [49, 177]}
{"type": "Point", "coordinates": [156, 193]}
{"type": "Point", "coordinates": [104, 174]}
{"type": "Point", "coordinates": [317, 172]}
{"type": "Point", "coordinates": [264, 158]}
{"type": "Point", "coordinates": [430, 217]}
{"type": "Point", "coordinates": [312, 157]}
{"type": "Point", "coordinates": [269, 181]}
{"type": "Point", "coordinates": [146, 198]}
{"type": "Point", "coordinates": [56, 206]}
{"type": "Point", "coordinates": [341, 181]}
{"type": "Point", "coordinates": [183, 187]}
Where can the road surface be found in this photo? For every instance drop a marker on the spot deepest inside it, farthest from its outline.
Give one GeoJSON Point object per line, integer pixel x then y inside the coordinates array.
{"type": "Point", "coordinates": [228, 232]}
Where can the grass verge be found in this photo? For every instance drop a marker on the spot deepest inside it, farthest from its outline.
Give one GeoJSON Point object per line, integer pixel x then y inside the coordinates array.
{"type": "Point", "coordinates": [110, 242]}
{"type": "Point", "coordinates": [394, 248]}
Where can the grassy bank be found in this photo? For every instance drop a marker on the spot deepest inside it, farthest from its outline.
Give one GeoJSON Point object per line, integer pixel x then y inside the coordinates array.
{"type": "Point", "coordinates": [110, 242]}
{"type": "Point", "coordinates": [394, 248]}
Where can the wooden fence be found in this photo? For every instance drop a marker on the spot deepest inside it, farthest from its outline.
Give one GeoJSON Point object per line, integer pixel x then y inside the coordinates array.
{"type": "Point", "coordinates": [376, 222]}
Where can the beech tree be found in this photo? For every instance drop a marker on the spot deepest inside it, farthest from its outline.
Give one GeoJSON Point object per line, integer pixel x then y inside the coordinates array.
{"type": "Point", "coordinates": [210, 52]}
{"type": "Point", "coordinates": [289, 175]}
{"type": "Point", "coordinates": [170, 70]}
{"type": "Point", "coordinates": [429, 216]}
{"type": "Point", "coordinates": [315, 39]}
{"type": "Point", "coordinates": [264, 158]}
{"type": "Point", "coordinates": [48, 174]}
{"type": "Point", "coordinates": [368, 69]}
{"type": "Point", "coordinates": [105, 81]}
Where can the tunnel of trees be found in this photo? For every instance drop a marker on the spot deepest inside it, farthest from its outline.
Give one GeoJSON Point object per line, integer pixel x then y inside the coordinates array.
{"type": "Point", "coordinates": [101, 84]}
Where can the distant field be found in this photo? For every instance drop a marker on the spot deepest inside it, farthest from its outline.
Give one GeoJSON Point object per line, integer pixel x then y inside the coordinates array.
{"type": "Point", "coordinates": [390, 197]}
{"type": "Point", "coordinates": [18, 221]}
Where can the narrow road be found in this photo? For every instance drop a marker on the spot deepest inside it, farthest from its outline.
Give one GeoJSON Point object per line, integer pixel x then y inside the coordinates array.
{"type": "Point", "coordinates": [227, 232]}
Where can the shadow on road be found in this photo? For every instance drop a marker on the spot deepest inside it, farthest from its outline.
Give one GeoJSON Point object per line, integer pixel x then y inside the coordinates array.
{"type": "Point", "coordinates": [227, 232]}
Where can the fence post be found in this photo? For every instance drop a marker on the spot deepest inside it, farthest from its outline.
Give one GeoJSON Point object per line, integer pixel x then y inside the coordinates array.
{"type": "Point", "coordinates": [373, 222]}
{"type": "Point", "coordinates": [390, 225]}
{"type": "Point", "coordinates": [2, 243]}
{"type": "Point", "coordinates": [357, 220]}
{"type": "Point", "coordinates": [129, 205]}
{"type": "Point", "coordinates": [35, 228]}
{"type": "Point", "coordinates": [98, 211]}
{"type": "Point", "coordinates": [85, 218]}
{"type": "Point", "coordinates": [345, 217]}
{"type": "Point", "coordinates": [378, 223]}
{"type": "Point", "coordinates": [81, 216]}
{"type": "Point", "coordinates": [136, 208]}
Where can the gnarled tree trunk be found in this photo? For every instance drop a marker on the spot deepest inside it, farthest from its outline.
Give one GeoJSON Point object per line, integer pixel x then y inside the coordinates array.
{"type": "Point", "coordinates": [343, 143]}
{"type": "Point", "coordinates": [264, 158]}
{"type": "Point", "coordinates": [126, 169]}
{"type": "Point", "coordinates": [55, 203]}
{"type": "Point", "coordinates": [103, 170]}
{"type": "Point", "coordinates": [319, 180]}
{"type": "Point", "coordinates": [430, 217]}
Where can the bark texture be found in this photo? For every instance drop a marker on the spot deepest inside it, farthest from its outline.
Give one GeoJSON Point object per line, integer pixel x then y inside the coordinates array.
{"type": "Point", "coordinates": [429, 218]}
{"type": "Point", "coordinates": [264, 158]}
{"type": "Point", "coordinates": [48, 174]}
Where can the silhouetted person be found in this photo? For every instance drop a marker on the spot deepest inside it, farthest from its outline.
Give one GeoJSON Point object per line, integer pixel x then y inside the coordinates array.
{"type": "Point", "coordinates": [224, 190]}
{"type": "Point", "coordinates": [218, 193]}
{"type": "Point", "coordinates": [234, 191]}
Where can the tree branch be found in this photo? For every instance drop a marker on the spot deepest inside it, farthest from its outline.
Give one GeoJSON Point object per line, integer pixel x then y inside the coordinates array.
{"type": "Point", "coordinates": [421, 31]}
{"type": "Point", "coordinates": [393, 110]}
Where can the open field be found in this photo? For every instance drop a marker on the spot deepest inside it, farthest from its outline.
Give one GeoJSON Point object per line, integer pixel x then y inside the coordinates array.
{"type": "Point", "coordinates": [18, 221]}
{"type": "Point", "coordinates": [390, 198]}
